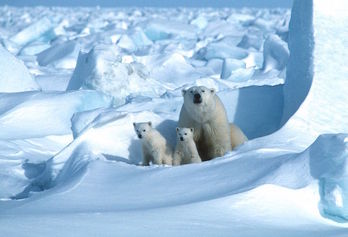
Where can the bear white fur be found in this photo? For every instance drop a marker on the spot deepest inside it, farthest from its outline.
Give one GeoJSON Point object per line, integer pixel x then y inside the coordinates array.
{"type": "Point", "coordinates": [155, 147]}
{"type": "Point", "coordinates": [204, 111]}
{"type": "Point", "coordinates": [185, 151]}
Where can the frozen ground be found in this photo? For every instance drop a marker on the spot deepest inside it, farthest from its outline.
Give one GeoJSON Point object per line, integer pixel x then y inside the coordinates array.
{"type": "Point", "coordinates": [73, 80]}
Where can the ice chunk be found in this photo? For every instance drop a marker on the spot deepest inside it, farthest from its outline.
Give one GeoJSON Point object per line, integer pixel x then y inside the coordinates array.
{"type": "Point", "coordinates": [140, 39]}
{"type": "Point", "coordinates": [37, 114]}
{"type": "Point", "coordinates": [216, 65]}
{"type": "Point", "coordinates": [252, 39]}
{"type": "Point", "coordinates": [201, 22]}
{"type": "Point", "coordinates": [125, 42]}
{"type": "Point", "coordinates": [134, 40]}
{"type": "Point", "coordinates": [161, 29]}
{"type": "Point", "coordinates": [102, 69]}
{"type": "Point", "coordinates": [229, 65]}
{"type": "Point", "coordinates": [220, 27]}
{"type": "Point", "coordinates": [80, 120]}
{"type": "Point", "coordinates": [14, 76]}
{"type": "Point", "coordinates": [34, 48]}
{"type": "Point", "coordinates": [221, 50]}
{"type": "Point", "coordinates": [254, 59]}
{"type": "Point", "coordinates": [62, 55]}
{"type": "Point", "coordinates": [275, 53]}
{"type": "Point", "coordinates": [329, 164]}
{"type": "Point", "coordinates": [57, 81]}
{"type": "Point", "coordinates": [41, 28]}
{"type": "Point", "coordinates": [174, 70]}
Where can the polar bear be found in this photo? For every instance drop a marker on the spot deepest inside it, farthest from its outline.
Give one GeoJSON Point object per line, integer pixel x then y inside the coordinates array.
{"type": "Point", "coordinates": [185, 151]}
{"type": "Point", "coordinates": [155, 147]}
{"type": "Point", "coordinates": [204, 111]}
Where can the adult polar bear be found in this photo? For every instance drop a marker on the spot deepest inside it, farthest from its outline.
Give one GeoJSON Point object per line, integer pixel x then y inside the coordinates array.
{"type": "Point", "coordinates": [204, 111]}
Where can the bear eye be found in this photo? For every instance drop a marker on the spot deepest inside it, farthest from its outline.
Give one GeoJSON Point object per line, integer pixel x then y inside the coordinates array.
{"type": "Point", "coordinates": [144, 130]}
{"type": "Point", "coordinates": [203, 91]}
{"type": "Point", "coordinates": [185, 133]}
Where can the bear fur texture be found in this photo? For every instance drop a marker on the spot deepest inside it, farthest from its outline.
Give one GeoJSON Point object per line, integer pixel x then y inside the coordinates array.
{"type": "Point", "coordinates": [204, 111]}
{"type": "Point", "coordinates": [185, 151]}
{"type": "Point", "coordinates": [155, 147]}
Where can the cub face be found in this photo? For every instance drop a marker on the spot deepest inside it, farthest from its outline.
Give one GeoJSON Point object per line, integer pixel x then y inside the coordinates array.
{"type": "Point", "coordinates": [198, 95]}
{"type": "Point", "coordinates": [141, 129]}
{"type": "Point", "coordinates": [184, 134]}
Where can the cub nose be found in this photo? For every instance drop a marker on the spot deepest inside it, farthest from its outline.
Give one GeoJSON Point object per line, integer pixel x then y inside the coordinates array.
{"type": "Point", "coordinates": [140, 136]}
{"type": "Point", "coordinates": [197, 96]}
{"type": "Point", "coordinates": [181, 139]}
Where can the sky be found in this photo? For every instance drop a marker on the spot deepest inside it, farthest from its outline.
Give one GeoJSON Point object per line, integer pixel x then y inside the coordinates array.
{"type": "Point", "coordinates": [151, 3]}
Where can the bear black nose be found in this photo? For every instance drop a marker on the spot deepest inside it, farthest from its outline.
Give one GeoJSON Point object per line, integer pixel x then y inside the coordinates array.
{"type": "Point", "coordinates": [140, 137]}
{"type": "Point", "coordinates": [197, 96]}
{"type": "Point", "coordinates": [197, 99]}
{"type": "Point", "coordinates": [181, 139]}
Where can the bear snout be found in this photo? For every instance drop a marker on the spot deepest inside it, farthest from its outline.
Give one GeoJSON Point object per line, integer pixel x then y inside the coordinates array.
{"type": "Point", "coordinates": [181, 139]}
{"type": "Point", "coordinates": [140, 136]}
{"type": "Point", "coordinates": [197, 98]}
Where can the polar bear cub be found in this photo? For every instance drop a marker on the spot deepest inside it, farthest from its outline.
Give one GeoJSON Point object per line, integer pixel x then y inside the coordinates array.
{"type": "Point", "coordinates": [185, 150]}
{"type": "Point", "coordinates": [155, 147]}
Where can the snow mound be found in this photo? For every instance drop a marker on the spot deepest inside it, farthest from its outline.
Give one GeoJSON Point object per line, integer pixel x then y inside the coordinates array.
{"type": "Point", "coordinates": [14, 76]}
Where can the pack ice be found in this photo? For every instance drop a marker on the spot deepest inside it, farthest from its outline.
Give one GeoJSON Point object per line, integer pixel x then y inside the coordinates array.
{"type": "Point", "coordinates": [69, 156]}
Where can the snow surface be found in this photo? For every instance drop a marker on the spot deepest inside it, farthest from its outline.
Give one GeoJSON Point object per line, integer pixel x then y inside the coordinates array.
{"type": "Point", "coordinates": [69, 155]}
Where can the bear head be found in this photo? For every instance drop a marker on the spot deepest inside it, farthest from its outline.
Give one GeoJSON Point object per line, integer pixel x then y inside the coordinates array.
{"type": "Point", "coordinates": [142, 129]}
{"type": "Point", "coordinates": [184, 134]}
{"type": "Point", "coordinates": [199, 102]}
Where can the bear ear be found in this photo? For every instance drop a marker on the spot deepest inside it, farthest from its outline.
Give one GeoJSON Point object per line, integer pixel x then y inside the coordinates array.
{"type": "Point", "coordinates": [149, 123]}
{"type": "Point", "coordinates": [212, 90]}
{"type": "Point", "coordinates": [177, 129]}
{"type": "Point", "coordinates": [134, 124]}
{"type": "Point", "coordinates": [183, 92]}
{"type": "Point", "coordinates": [192, 129]}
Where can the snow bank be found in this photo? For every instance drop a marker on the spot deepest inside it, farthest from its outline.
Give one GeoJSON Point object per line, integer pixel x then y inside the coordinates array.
{"type": "Point", "coordinates": [14, 76]}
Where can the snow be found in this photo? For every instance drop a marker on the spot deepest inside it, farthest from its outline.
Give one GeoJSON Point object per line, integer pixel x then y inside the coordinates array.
{"type": "Point", "coordinates": [69, 155]}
